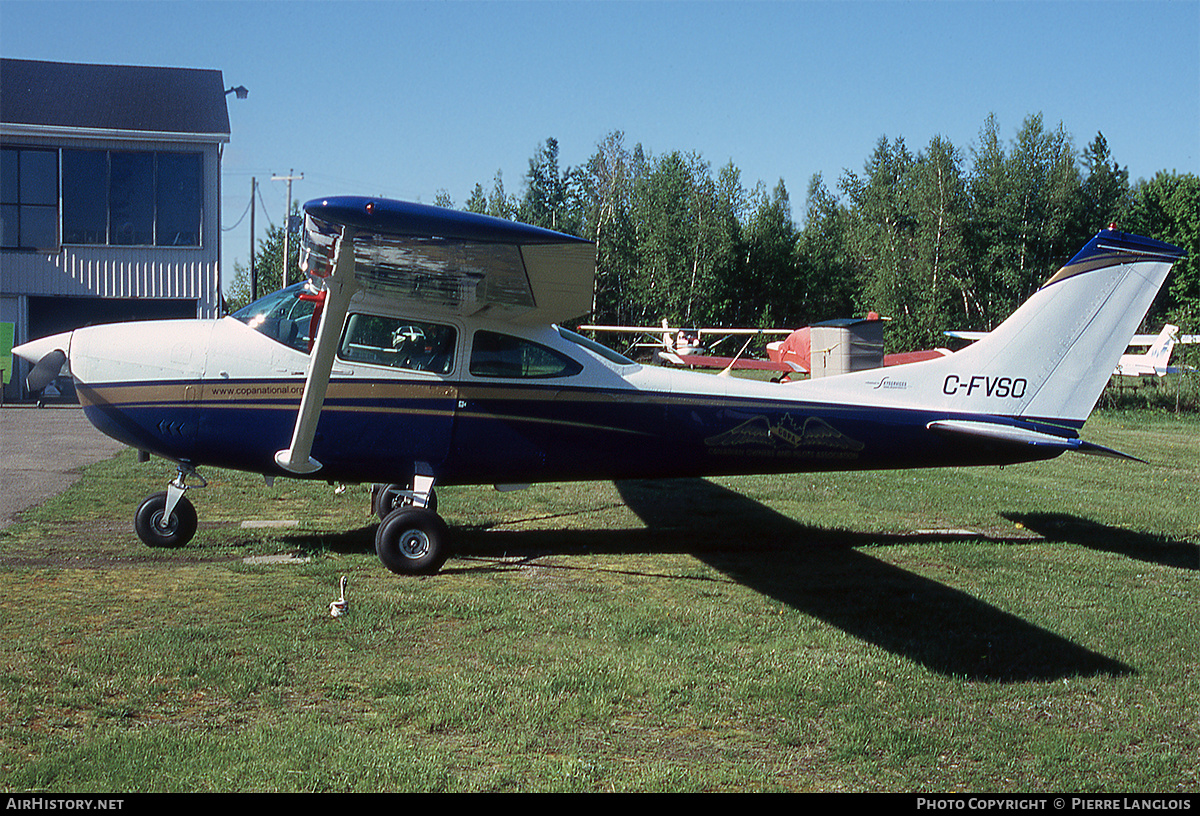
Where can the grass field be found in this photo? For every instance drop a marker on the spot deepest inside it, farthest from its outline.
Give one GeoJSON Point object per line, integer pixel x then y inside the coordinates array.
{"type": "Point", "coordinates": [1027, 629]}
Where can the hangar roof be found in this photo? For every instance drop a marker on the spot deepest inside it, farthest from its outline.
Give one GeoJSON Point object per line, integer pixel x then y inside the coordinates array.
{"type": "Point", "coordinates": [113, 99]}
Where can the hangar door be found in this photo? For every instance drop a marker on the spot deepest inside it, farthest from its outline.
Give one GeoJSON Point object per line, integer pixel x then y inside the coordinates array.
{"type": "Point", "coordinates": [51, 315]}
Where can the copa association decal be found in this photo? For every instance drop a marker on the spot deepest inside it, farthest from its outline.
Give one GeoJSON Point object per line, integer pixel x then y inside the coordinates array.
{"type": "Point", "coordinates": [811, 437]}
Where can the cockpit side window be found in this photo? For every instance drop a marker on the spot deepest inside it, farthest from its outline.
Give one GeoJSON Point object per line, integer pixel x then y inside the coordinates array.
{"type": "Point", "coordinates": [502, 355]}
{"type": "Point", "coordinates": [397, 342]}
{"type": "Point", "coordinates": [285, 316]}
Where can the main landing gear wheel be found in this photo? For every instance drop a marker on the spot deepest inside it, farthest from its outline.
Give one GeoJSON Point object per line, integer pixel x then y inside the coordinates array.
{"type": "Point", "coordinates": [386, 498]}
{"type": "Point", "coordinates": [413, 541]}
{"type": "Point", "coordinates": [156, 531]}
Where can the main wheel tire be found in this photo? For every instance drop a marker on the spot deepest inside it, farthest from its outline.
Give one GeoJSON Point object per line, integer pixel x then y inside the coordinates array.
{"type": "Point", "coordinates": [413, 541]}
{"type": "Point", "coordinates": [175, 531]}
{"type": "Point", "coordinates": [390, 497]}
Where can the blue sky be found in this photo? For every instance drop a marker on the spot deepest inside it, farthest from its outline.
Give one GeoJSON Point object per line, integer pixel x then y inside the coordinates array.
{"type": "Point", "coordinates": [403, 99]}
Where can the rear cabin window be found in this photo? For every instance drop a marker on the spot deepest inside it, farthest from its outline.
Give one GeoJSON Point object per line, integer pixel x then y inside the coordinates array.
{"type": "Point", "coordinates": [592, 345]}
{"type": "Point", "coordinates": [398, 343]}
{"type": "Point", "coordinates": [502, 355]}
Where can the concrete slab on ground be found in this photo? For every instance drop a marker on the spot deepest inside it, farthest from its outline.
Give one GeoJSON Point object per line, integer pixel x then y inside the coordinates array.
{"type": "Point", "coordinates": [41, 453]}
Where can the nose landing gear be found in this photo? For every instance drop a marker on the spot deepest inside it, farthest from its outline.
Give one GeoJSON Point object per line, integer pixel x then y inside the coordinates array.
{"type": "Point", "coordinates": [168, 519]}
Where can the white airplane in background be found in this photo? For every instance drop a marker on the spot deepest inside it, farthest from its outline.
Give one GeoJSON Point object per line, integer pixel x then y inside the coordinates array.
{"type": "Point", "coordinates": [1153, 363]}
{"type": "Point", "coordinates": [424, 350]}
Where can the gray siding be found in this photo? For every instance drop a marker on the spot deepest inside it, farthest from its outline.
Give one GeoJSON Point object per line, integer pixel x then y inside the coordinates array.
{"type": "Point", "coordinates": [121, 271]}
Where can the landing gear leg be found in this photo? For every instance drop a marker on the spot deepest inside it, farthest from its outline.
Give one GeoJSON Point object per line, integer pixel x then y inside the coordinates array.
{"type": "Point", "coordinates": [388, 497]}
{"type": "Point", "coordinates": [168, 519]}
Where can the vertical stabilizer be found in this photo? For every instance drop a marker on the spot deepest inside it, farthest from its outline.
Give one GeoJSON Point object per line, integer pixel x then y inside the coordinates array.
{"type": "Point", "coordinates": [1067, 338]}
{"type": "Point", "coordinates": [1050, 360]}
{"type": "Point", "coordinates": [1160, 353]}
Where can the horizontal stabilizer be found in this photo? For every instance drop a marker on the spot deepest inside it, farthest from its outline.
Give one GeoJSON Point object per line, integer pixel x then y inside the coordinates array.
{"type": "Point", "coordinates": [1022, 436]}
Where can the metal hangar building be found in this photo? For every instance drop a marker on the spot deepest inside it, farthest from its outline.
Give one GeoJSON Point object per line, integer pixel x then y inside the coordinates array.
{"type": "Point", "coordinates": [109, 196]}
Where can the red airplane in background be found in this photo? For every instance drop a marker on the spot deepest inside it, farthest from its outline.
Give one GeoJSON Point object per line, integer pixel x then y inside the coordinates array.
{"type": "Point", "coordinates": [790, 356]}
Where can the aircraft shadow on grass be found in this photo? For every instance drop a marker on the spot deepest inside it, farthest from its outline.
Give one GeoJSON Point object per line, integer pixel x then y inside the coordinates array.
{"type": "Point", "coordinates": [821, 573]}
{"type": "Point", "coordinates": [814, 570]}
{"type": "Point", "coordinates": [1154, 549]}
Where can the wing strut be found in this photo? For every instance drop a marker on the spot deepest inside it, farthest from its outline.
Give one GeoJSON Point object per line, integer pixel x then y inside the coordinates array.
{"type": "Point", "coordinates": [339, 286]}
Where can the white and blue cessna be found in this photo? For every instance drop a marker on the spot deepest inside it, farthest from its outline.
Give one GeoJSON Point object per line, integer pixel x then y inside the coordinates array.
{"type": "Point", "coordinates": [424, 349]}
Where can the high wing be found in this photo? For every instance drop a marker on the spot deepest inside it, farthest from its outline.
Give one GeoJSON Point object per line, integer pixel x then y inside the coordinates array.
{"type": "Point", "coordinates": [687, 347]}
{"type": "Point", "coordinates": [438, 260]}
{"type": "Point", "coordinates": [453, 262]}
{"type": "Point", "coordinates": [699, 331]}
{"type": "Point", "coordinates": [693, 336]}
{"type": "Point", "coordinates": [1151, 339]}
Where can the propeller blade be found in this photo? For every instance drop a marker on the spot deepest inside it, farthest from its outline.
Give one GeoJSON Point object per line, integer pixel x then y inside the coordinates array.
{"type": "Point", "coordinates": [47, 368]}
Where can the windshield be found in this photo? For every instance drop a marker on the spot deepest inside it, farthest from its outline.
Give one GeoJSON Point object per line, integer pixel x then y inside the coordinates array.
{"type": "Point", "coordinates": [284, 316]}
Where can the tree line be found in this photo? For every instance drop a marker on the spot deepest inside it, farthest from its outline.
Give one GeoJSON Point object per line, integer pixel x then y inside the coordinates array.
{"type": "Point", "coordinates": [937, 239]}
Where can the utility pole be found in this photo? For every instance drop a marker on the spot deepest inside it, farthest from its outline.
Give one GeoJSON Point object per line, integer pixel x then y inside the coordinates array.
{"type": "Point", "coordinates": [287, 214]}
{"type": "Point", "coordinates": [253, 274]}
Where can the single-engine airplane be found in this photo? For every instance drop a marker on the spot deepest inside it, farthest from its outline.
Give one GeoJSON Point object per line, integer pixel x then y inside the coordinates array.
{"type": "Point", "coordinates": [424, 350]}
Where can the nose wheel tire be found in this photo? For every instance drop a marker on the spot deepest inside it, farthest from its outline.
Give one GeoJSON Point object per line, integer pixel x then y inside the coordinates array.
{"type": "Point", "coordinates": [413, 541]}
{"type": "Point", "coordinates": [156, 531]}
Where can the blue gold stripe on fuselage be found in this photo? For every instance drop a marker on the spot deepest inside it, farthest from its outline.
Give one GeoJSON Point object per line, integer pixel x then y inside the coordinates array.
{"type": "Point", "coordinates": [494, 433]}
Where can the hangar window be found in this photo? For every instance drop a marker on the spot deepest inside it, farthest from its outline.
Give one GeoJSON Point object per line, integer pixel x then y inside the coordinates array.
{"type": "Point", "coordinates": [28, 198]}
{"type": "Point", "coordinates": [178, 199]}
{"type": "Point", "coordinates": [132, 198]}
{"type": "Point", "coordinates": [85, 214]}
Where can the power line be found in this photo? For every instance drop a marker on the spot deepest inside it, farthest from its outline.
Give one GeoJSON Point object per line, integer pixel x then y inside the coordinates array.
{"type": "Point", "coordinates": [264, 206]}
{"type": "Point", "coordinates": [242, 217]}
